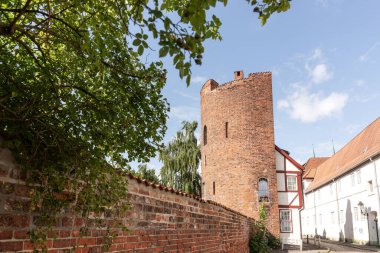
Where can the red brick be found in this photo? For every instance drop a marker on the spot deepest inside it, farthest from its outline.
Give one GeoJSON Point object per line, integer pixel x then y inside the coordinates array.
{"type": "Point", "coordinates": [10, 246]}
{"type": "Point", "coordinates": [21, 234]}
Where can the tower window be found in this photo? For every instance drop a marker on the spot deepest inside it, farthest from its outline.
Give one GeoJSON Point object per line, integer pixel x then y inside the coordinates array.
{"type": "Point", "coordinates": [213, 188]}
{"type": "Point", "coordinates": [205, 135]}
{"type": "Point", "coordinates": [205, 160]}
{"type": "Point", "coordinates": [263, 190]}
{"type": "Point", "coordinates": [226, 129]}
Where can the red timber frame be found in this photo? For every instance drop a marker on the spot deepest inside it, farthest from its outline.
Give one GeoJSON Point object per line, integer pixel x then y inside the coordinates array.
{"type": "Point", "coordinates": [298, 174]}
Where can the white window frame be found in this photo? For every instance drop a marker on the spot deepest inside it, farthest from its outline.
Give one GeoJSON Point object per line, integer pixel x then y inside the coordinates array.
{"type": "Point", "coordinates": [370, 186]}
{"type": "Point", "coordinates": [358, 177]}
{"type": "Point", "coordinates": [291, 186]}
{"type": "Point", "coordinates": [287, 223]}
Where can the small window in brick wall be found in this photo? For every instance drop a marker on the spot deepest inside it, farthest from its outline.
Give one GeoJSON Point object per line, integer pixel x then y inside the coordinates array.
{"type": "Point", "coordinates": [226, 129]}
{"type": "Point", "coordinates": [213, 188]}
{"type": "Point", "coordinates": [263, 190]}
{"type": "Point", "coordinates": [205, 135]}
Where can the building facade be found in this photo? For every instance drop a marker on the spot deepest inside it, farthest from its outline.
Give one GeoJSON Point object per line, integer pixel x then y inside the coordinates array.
{"type": "Point", "coordinates": [341, 193]}
{"type": "Point", "coordinates": [241, 167]}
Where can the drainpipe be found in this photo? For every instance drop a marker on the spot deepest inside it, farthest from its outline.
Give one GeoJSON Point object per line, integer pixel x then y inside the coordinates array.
{"type": "Point", "coordinates": [337, 203]}
{"type": "Point", "coordinates": [303, 204]}
{"type": "Point", "coordinates": [377, 197]}
{"type": "Point", "coordinates": [315, 216]}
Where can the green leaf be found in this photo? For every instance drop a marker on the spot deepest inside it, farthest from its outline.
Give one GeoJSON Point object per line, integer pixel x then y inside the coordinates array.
{"type": "Point", "coordinates": [163, 51]}
{"type": "Point", "coordinates": [136, 42]}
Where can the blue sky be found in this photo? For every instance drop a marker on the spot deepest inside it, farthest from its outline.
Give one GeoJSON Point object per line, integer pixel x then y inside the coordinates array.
{"type": "Point", "coordinates": [325, 60]}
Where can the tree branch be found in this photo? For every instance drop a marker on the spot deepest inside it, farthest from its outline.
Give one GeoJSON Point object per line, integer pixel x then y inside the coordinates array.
{"type": "Point", "coordinates": [12, 25]}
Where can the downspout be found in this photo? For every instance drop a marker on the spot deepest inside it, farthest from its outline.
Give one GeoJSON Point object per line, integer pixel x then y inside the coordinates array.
{"type": "Point", "coordinates": [378, 202]}
{"type": "Point", "coordinates": [337, 204]}
{"type": "Point", "coordinates": [303, 204]}
{"type": "Point", "coordinates": [315, 216]}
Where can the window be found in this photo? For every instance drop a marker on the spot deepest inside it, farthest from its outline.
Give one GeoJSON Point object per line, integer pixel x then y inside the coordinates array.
{"type": "Point", "coordinates": [291, 183]}
{"type": "Point", "coordinates": [370, 187]}
{"type": "Point", "coordinates": [286, 221]}
{"type": "Point", "coordinates": [356, 214]}
{"type": "Point", "coordinates": [205, 135]}
{"type": "Point", "coordinates": [263, 190]}
{"type": "Point", "coordinates": [352, 179]}
{"type": "Point", "coordinates": [205, 160]}
{"type": "Point", "coordinates": [226, 126]}
{"type": "Point", "coordinates": [358, 177]}
{"type": "Point", "coordinates": [213, 188]}
{"type": "Point", "coordinates": [332, 218]}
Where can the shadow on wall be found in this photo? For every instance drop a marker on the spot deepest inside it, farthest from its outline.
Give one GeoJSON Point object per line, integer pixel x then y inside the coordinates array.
{"type": "Point", "coordinates": [348, 225]}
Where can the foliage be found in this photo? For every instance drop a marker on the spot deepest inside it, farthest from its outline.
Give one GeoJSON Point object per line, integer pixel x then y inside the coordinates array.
{"type": "Point", "coordinates": [77, 94]}
{"type": "Point", "coordinates": [145, 173]}
{"type": "Point", "coordinates": [181, 159]}
{"type": "Point", "coordinates": [262, 241]}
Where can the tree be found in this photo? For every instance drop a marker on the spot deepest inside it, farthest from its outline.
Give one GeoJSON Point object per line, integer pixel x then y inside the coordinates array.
{"type": "Point", "coordinates": [181, 160]}
{"type": "Point", "coordinates": [78, 100]}
{"type": "Point", "coordinates": [145, 173]}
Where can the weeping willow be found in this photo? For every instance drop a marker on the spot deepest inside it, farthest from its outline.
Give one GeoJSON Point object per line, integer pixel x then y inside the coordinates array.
{"type": "Point", "coordinates": [181, 158]}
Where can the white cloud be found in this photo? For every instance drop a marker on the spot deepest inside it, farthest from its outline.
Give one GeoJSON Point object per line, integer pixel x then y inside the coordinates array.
{"type": "Point", "coordinates": [199, 79]}
{"type": "Point", "coordinates": [320, 73]}
{"type": "Point", "coordinates": [311, 107]}
{"type": "Point", "coordinates": [317, 54]}
{"type": "Point", "coordinates": [182, 113]}
{"type": "Point", "coordinates": [365, 57]}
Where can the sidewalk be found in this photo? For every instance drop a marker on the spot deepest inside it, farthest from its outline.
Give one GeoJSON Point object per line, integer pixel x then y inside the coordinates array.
{"type": "Point", "coordinates": [329, 246]}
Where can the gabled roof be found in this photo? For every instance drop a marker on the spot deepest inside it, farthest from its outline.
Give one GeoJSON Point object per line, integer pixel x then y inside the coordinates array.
{"type": "Point", "coordinates": [311, 166]}
{"type": "Point", "coordinates": [364, 146]}
{"type": "Point", "coordinates": [287, 156]}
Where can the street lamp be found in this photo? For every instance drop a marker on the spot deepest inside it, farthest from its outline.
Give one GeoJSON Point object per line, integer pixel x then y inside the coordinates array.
{"type": "Point", "coordinates": [363, 209]}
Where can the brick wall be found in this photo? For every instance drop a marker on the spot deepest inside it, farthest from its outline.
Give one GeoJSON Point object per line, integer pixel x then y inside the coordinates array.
{"type": "Point", "coordinates": [233, 163]}
{"type": "Point", "coordinates": [160, 220]}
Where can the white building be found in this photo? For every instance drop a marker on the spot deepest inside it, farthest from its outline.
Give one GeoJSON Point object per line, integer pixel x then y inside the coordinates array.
{"type": "Point", "coordinates": [289, 188]}
{"type": "Point", "coordinates": [341, 193]}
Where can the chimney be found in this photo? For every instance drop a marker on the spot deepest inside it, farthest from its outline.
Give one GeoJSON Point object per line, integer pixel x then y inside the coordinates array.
{"type": "Point", "coordinates": [238, 75]}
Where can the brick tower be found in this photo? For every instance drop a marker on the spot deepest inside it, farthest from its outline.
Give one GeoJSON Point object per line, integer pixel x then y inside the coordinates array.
{"type": "Point", "coordinates": [238, 149]}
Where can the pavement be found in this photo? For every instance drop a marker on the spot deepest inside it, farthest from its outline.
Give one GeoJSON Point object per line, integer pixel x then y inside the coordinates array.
{"type": "Point", "coordinates": [329, 246]}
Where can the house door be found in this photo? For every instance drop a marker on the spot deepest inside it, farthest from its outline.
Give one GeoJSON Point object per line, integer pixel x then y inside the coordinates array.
{"type": "Point", "coordinates": [372, 230]}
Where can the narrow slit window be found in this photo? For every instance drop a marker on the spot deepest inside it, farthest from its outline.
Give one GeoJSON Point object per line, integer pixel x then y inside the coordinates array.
{"type": "Point", "coordinates": [213, 188]}
{"type": "Point", "coordinates": [205, 135]}
{"type": "Point", "coordinates": [205, 160]}
{"type": "Point", "coordinates": [226, 129]}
